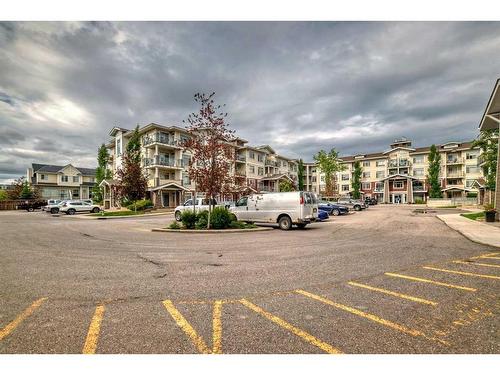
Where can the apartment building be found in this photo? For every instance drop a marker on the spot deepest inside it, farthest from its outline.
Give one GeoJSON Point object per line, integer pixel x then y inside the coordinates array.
{"type": "Point", "coordinates": [166, 164]}
{"type": "Point", "coordinates": [61, 182]}
{"type": "Point", "coordinates": [399, 174]}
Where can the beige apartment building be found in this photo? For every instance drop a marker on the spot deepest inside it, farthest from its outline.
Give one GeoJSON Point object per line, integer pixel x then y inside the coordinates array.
{"type": "Point", "coordinates": [399, 174]}
{"type": "Point", "coordinates": [61, 182]}
{"type": "Point", "coordinates": [166, 164]}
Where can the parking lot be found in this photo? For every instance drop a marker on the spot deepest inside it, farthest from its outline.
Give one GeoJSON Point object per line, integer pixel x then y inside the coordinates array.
{"type": "Point", "coordinates": [385, 280]}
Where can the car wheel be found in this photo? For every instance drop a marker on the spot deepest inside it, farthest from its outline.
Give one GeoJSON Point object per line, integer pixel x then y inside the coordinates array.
{"type": "Point", "coordinates": [357, 208]}
{"type": "Point", "coordinates": [95, 210]}
{"type": "Point", "coordinates": [71, 211]}
{"type": "Point", "coordinates": [335, 212]}
{"type": "Point", "coordinates": [54, 210]}
{"type": "Point", "coordinates": [301, 226]}
{"type": "Point", "coordinates": [177, 215]}
{"type": "Point", "coordinates": [285, 222]}
{"type": "Point", "coordinates": [31, 209]}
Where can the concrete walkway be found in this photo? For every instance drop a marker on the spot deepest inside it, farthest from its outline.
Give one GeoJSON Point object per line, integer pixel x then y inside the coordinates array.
{"type": "Point", "coordinates": [475, 231]}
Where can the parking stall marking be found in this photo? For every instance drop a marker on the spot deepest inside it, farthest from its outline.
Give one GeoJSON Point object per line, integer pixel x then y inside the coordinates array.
{"type": "Point", "coordinates": [395, 294]}
{"type": "Point", "coordinates": [486, 257]}
{"type": "Point", "coordinates": [7, 330]}
{"type": "Point", "coordinates": [413, 278]}
{"type": "Point", "coordinates": [291, 328]}
{"type": "Point", "coordinates": [90, 345]}
{"type": "Point", "coordinates": [374, 318]}
{"type": "Point", "coordinates": [190, 332]}
{"type": "Point", "coordinates": [477, 264]}
{"type": "Point", "coordinates": [462, 273]}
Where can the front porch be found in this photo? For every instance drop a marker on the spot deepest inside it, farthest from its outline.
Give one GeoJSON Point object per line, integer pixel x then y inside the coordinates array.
{"type": "Point", "coordinates": [169, 195]}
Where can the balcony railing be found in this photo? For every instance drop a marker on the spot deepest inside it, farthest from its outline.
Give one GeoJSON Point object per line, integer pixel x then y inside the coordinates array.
{"type": "Point", "coordinates": [459, 174]}
{"type": "Point", "coordinates": [241, 158]}
{"type": "Point", "coordinates": [271, 163]}
{"type": "Point", "coordinates": [456, 160]}
{"type": "Point", "coordinates": [163, 161]}
{"type": "Point", "coordinates": [418, 188]}
{"type": "Point", "coordinates": [162, 139]}
{"type": "Point", "coordinates": [398, 163]}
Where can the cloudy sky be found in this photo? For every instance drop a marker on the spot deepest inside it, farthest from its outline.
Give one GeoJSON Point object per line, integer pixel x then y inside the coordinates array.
{"type": "Point", "coordinates": [298, 86]}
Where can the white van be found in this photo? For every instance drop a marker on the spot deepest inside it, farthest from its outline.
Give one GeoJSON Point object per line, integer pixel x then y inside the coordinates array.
{"type": "Point", "coordinates": [296, 207]}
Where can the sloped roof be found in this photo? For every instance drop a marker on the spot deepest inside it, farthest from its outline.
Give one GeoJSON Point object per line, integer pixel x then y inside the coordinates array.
{"type": "Point", "coordinates": [49, 168]}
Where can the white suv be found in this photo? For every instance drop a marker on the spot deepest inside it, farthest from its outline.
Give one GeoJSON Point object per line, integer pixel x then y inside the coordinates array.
{"type": "Point", "coordinates": [72, 207]}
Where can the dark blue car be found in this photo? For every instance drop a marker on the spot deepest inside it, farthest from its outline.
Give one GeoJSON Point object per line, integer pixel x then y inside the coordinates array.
{"type": "Point", "coordinates": [332, 208]}
{"type": "Point", "coordinates": [322, 215]}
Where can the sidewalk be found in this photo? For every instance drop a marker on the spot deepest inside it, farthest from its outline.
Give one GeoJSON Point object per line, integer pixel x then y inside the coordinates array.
{"type": "Point", "coordinates": [475, 231]}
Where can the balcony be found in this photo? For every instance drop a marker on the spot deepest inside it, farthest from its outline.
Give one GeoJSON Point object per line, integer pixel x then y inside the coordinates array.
{"type": "Point", "coordinates": [161, 161]}
{"type": "Point", "coordinates": [394, 163]}
{"type": "Point", "coordinates": [419, 188]}
{"type": "Point", "coordinates": [241, 158]}
{"type": "Point", "coordinates": [454, 174]}
{"type": "Point", "coordinates": [161, 139]}
{"type": "Point", "coordinates": [271, 163]}
{"type": "Point", "coordinates": [240, 173]}
{"type": "Point", "coordinates": [455, 160]}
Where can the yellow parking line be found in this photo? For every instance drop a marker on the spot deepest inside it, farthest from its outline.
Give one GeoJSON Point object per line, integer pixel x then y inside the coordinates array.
{"type": "Point", "coordinates": [374, 318]}
{"type": "Point", "coordinates": [395, 294]}
{"type": "Point", "coordinates": [487, 257]}
{"type": "Point", "coordinates": [477, 264]}
{"type": "Point", "coordinates": [217, 328]}
{"type": "Point", "coordinates": [431, 282]}
{"type": "Point", "coordinates": [7, 330]}
{"type": "Point", "coordinates": [187, 328]}
{"type": "Point", "coordinates": [90, 345]}
{"type": "Point", "coordinates": [291, 328]}
{"type": "Point", "coordinates": [462, 273]}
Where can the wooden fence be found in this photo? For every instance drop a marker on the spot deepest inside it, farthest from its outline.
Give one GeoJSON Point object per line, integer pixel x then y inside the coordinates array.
{"type": "Point", "coordinates": [12, 204]}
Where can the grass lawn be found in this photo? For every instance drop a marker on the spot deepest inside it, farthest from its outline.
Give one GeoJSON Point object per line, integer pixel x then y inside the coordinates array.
{"type": "Point", "coordinates": [474, 215]}
{"type": "Point", "coordinates": [118, 213]}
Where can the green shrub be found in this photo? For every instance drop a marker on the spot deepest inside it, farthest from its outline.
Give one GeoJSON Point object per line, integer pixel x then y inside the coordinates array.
{"type": "Point", "coordinates": [139, 205]}
{"type": "Point", "coordinates": [220, 218]}
{"type": "Point", "coordinates": [419, 201]}
{"type": "Point", "coordinates": [202, 220]}
{"type": "Point", "coordinates": [188, 218]}
{"type": "Point", "coordinates": [237, 225]}
{"type": "Point", "coordinates": [174, 225]}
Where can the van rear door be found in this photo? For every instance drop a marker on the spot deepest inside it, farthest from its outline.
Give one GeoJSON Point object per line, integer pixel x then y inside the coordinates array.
{"type": "Point", "coordinates": [310, 206]}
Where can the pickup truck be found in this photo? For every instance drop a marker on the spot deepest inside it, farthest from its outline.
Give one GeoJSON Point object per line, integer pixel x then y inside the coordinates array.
{"type": "Point", "coordinates": [31, 206]}
{"type": "Point", "coordinates": [201, 205]}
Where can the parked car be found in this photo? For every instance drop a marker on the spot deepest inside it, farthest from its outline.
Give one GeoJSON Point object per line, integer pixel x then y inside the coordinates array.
{"type": "Point", "coordinates": [72, 207]}
{"type": "Point", "coordinates": [201, 205]}
{"type": "Point", "coordinates": [322, 215]}
{"type": "Point", "coordinates": [354, 204]}
{"type": "Point", "coordinates": [54, 208]}
{"type": "Point", "coordinates": [31, 206]}
{"type": "Point", "coordinates": [51, 202]}
{"type": "Point", "coordinates": [332, 208]}
{"type": "Point", "coordinates": [371, 201]}
{"type": "Point", "coordinates": [286, 209]}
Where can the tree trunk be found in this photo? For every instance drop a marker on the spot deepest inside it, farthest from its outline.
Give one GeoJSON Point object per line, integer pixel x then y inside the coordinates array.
{"type": "Point", "coordinates": [209, 211]}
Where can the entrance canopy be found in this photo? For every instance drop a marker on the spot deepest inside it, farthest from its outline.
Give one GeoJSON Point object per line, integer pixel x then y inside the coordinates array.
{"type": "Point", "coordinates": [491, 115]}
{"type": "Point", "coordinates": [169, 186]}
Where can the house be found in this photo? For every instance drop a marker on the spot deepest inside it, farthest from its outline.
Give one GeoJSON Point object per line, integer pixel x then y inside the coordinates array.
{"type": "Point", "coordinates": [61, 182]}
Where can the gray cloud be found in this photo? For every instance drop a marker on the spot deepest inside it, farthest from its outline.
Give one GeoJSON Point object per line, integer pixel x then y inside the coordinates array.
{"type": "Point", "coordinates": [299, 86]}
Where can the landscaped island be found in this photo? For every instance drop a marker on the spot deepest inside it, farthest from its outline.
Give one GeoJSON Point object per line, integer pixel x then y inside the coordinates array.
{"type": "Point", "coordinates": [220, 218]}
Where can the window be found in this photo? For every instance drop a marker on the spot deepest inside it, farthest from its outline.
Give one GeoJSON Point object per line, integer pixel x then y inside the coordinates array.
{"type": "Point", "coordinates": [118, 147]}
{"type": "Point", "coordinates": [468, 183]}
{"type": "Point", "coordinates": [189, 202]}
{"type": "Point", "coordinates": [75, 193]}
{"type": "Point", "coordinates": [379, 186]}
{"type": "Point", "coordinates": [185, 160]}
{"type": "Point", "coordinates": [345, 187]}
{"type": "Point", "coordinates": [313, 179]}
{"type": "Point", "coordinates": [345, 177]}
{"type": "Point", "coordinates": [471, 155]}
{"type": "Point", "coordinates": [418, 172]}
{"type": "Point", "coordinates": [242, 202]}
{"type": "Point", "coordinates": [64, 178]}
{"type": "Point", "coordinates": [322, 179]}
{"type": "Point", "coordinates": [471, 169]}
{"type": "Point", "coordinates": [398, 184]}
{"type": "Point", "coordinates": [366, 164]}
{"type": "Point", "coordinates": [366, 174]}
{"type": "Point", "coordinates": [91, 179]}
{"type": "Point", "coordinates": [365, 186]}
{"type": "Point", "coordinates": [260, 157]}
{"type": "Point", "coordinates": [380, 174]}
{"type": "Point", "coordinates": [185, 179]}
{"type": "Point", "coordinates": [261, 171]}
{"type": "Point", "coordinates": [380, 163]}
{"type": "Point", "coordinates": [42, 177]}
{"type": "Point", "coordinates": [252, 169]}
{"type": "Point", "coordinates": [252, 155]}
{"type": "Point", "coordinates": [76, 178]}
{"type": "Point", "coordinates": [418, 159]}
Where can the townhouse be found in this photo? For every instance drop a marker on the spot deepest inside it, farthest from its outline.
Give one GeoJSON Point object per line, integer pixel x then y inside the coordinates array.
{"type": "Point", "coordinates": [166, 162]}
{"type": "Point", "coordinates": [61, 182]}
{"type": "Point", "coordinates": [399, 174]}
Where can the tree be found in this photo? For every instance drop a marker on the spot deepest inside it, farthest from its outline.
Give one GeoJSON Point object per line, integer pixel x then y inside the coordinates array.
{"type": "Point", "coordinates": [356, 180]}
{"type": "Point", "coordinates": [102, 173]}
{"type": "Point", "coordinates": [300, 175]}
{"type": "Point", "coordinates": [488, 143]}
{"type": "Point", "coordinates": [212, 156]}
{"type": "Point", "coordinates": [433, 173]}
{"type": "Point", "coordinates": [17, 188]}
{"type": "Point", "coordinates": [329, 164]}
{"type": "Point", "coordinates": [132, 180]}
{"type": "Point", "coordinates": [3, 195]}
{"type": "Point", "coordinates": [286, 185]}
{"type": "Point", "coordinates": [26, 192]}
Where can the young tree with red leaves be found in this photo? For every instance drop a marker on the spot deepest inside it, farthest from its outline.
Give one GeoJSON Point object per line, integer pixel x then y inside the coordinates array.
{"type": "Point", "coordinates": [212, 155]}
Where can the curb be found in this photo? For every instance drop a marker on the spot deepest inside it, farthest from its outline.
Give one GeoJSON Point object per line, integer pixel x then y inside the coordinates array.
{"type": "Point", "coordinates": [466, 235]}
{"type": "Point", "coordinates": [211, 231]}
{"type": "Point", "coordinates": [87, 217]}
